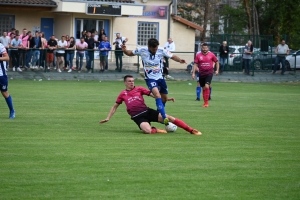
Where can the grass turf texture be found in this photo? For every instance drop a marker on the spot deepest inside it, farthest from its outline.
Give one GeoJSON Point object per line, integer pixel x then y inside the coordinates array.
{"type": "Point", "coordinates": [55, 148]}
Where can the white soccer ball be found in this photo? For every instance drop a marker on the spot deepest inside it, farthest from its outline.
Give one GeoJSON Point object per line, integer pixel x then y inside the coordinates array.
{"type": "Point", "coordinates": [171, 127]}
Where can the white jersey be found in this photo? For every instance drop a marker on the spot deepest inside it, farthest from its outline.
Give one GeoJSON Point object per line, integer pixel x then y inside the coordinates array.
{"type": "Point", "coordinates": [2, 63]}
{"type": "Point", "coordinates": [153, 64]}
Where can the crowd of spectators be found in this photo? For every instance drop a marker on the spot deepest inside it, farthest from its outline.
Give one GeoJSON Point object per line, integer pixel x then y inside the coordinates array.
{"type": "Point", "coordinates": [33, 51]}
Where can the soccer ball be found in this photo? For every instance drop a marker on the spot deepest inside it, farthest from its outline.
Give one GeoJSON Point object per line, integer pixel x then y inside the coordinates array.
{"type": "Point", "coordinates": [171, 127]}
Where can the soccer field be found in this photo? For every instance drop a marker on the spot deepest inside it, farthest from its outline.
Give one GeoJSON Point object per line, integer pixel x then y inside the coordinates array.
{"type": "Point", "coordinates": [56, 149]}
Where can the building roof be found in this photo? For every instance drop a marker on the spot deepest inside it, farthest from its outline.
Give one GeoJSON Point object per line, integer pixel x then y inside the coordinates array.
{"type": "Point", "coordinates": [106, 1]}
{"type": "Point", "coordinates": [187, 22]}
{"type": "Point", "coordinates": [34, 3]}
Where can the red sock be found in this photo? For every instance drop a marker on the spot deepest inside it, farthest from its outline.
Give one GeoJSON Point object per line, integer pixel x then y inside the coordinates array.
{"type": "Point", "coordinates": [153, 130]}
{"type": "Point", "coordinates": [206, 93]}
{"type": "Point", "coordinates": [182, 125]}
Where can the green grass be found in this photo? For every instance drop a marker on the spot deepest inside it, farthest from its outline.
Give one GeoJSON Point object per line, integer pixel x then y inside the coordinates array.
{"type": "Point", "coordinates": [55, 148]}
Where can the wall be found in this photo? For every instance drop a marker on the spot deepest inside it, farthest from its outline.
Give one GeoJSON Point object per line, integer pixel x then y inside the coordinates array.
{"type": "Point", "coordinates": [62, 24]}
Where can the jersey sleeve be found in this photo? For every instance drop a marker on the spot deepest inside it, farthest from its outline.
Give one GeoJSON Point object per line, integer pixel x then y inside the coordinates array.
{"type": "Point", "coordinates": [214, 58]}
{"type": "Point", "coordinates": [119, 99]}
{"type": "Point", "coordinates": [167, 53]}
{"type": "Point", "coordinates": [2, 49]}
{"type": "Point", "coordinates": [145, 91]}
{"type": "Point", "coordinates": [137, 52]}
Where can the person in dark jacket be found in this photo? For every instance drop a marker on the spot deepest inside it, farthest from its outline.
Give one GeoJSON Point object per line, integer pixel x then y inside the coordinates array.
{"type": "Point", "coordinates": [223, 55]}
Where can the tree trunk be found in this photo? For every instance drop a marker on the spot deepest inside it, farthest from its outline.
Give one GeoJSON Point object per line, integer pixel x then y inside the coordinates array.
{"type": "Point", "coordinates": [205, 19]}
{"type": "Point", "coordinates": [247, 9]}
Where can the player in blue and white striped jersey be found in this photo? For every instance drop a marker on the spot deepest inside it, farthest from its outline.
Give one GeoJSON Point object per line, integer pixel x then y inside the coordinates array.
{"type": "Point", "coordinates": [4, 82]}
{"type": "Point", "coordinates": [152, 57]}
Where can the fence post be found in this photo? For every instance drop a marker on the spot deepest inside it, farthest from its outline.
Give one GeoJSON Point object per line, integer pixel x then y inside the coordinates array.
{"type": "Point", "coordinates": [138, 64]}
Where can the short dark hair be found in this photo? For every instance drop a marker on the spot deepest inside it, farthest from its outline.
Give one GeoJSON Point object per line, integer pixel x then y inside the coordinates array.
{"type": "Point", "coordinates": [127, 76]}
{"type": "Point", "coordinates": [82, 38]}
{"type": "Point", "coordinates": [204, 44]}
{"type": "Point", "coordinates": [152, 42]}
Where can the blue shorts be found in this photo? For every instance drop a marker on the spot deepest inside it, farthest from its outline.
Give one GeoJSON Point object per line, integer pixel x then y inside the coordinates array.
{"type": "Point", "coordinates": [3, 83]}
{"type": "Point", "coordinates": [160, 84]}
{"type": "Point", "coordinates": [197, 77]}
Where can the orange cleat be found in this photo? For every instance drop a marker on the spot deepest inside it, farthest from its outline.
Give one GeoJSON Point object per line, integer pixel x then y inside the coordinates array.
{"type": "Point", "coordinates": [196, 132]}
{"type": "Point", "coordinates": [160, 131]}
{"type": "Point", "coordinates": [205, 105]}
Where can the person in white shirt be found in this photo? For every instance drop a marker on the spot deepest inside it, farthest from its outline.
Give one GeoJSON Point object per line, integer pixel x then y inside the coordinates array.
{"type": "Point", "coordinates": [152, 57]}
{"type": "Point", "coordinates": [169, 46]}
{"type": "Point", "coordinates": [60, 53]}
{"type": "Point", "coordinates": [118, 53]}
{"type": "Point", "coordinates": [282, 51]}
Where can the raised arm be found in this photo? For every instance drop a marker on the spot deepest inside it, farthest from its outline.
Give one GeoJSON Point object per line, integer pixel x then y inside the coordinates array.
{"type": "Point", "coordinates": [177, 59]}
{"type": "Point", "coordinates": [127, 52]}
{"type": "Point", "coordinates": [110, 114]}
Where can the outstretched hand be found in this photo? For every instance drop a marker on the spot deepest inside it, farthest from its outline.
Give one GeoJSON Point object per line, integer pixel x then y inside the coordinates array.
{"type": "Point", "coordinates": [123, 46]}
{"type": "Point", "coordinates": [103, 121]}
{"type": "Point", "coordinates": [182, 61]}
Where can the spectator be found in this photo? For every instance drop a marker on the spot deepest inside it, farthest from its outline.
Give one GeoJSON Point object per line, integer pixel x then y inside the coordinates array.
{"type": "Point", "coordinates": [101, 34]}
{"type": "Point", "coordinates": [15, 45]}
{"type": "Point", "coordinates": [96, 37]}
{"type": "Point", "coordinates": [12, 30]}
{"type": "Point", "coordinates": [81, 46]}
{"type": "Point", "coordinates": [61, 46]}
{"type": "Point", "coordinates": [91, 45]}
{"type": "Point", "coordinates": [4, 39]}
{"type": "Point", "coordinates": [23, 51]}
{"type": "Point", "coordinates": [52, 45]}
{"type": "Point", "coordinates": [36, 43]}
{"type": "Point", "coordinates": [104, 47]}
{"type": "Point", "coordinates": [65, 55]}
{"type": "Point", "coordinates": [224, 49]}
{"type": "Point", "coordinates": [70, 53]}
{"type": "Point", "coordinates": [248, 50]}
{"type": "Point", "coordinates": [119, 53]}
{"type": "Point", "coordinates": [282, 50]}
{"type": "Point", "coordinates": [43, 51]}
{"type": "Point", "coordinates": [169, 46]}
{"type": "Point", "coordinates": [30, 46]}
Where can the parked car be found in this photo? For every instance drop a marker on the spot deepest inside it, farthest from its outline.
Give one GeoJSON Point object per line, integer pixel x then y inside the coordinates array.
{"type": "Point", "coordinates": [237, 60]}
{"type": "Point", "coordinates": [235, 51]}
{"type": "Point", "coordinates": [293, 57]}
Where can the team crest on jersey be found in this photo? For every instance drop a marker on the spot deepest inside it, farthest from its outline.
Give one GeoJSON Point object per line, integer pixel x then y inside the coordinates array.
{"type": "Point", "coordinates": [201, 58]}
{"type": "Point", "coordinates": [3, 87]}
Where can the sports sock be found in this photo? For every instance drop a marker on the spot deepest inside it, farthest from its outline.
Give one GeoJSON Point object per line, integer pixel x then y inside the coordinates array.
{"type": "Point", "coordinates": [182, 125]}
{"type": "Point", "coordinates": [210, 90]}
{"type": "Point", "coordinates": [9, 103]}
{"type": "Point", "coordinates": [160, 107]}
{"type": "Point", "coordinates": [205, 94]}
{"type": "Point", "coordinates": [153, 130]}
{"type": "Point", "coordinates": [198, 92]}
{"type": "Point", "coordinates": [164, 103]}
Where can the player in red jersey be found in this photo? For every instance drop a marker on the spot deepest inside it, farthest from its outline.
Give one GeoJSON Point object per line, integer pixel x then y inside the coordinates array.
{"type": "Point", "coordinates": [139, 112]}
{"type": "Point", "coordinates": [205, 61]}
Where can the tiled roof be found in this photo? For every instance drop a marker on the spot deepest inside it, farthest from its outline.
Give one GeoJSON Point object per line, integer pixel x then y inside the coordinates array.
{"type": "Point", "coordinates": [36, 3]}
{"type": "Point", "coordinates": [187, 22]}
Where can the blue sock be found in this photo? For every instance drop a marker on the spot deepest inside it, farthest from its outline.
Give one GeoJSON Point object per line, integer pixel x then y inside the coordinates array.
{"type": "Point", "coordinates": [9, 103]}
{"type": "Point", "coordinates": [164, 103]}
{"type": "Point", "coordinates": [160, 107]}
{"type": "Point", "coordinates": [198, 92]}
{"type": "Point", "coordinates": [210, 90]}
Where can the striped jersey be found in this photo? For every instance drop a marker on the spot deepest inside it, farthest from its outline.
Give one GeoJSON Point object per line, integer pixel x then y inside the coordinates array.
{"type": "Point", "coordinates": [153, 63]}
{"type": "Point", "coordinates": [2, 63]}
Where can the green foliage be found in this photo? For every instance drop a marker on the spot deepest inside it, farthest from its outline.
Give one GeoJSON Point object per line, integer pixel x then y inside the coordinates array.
{"type": "Point", "coordinates": [55, 148]}
{"type": "Point", "coordinates": [235, 20]}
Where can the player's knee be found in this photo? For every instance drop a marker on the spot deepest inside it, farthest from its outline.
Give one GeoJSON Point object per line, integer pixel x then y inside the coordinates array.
{"type": "Point", "coordinates": [147, 130]}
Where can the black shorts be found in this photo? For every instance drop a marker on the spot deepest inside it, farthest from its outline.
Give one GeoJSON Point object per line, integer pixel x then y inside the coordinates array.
{"type": "Point", "coordinates": [205, 80]}
{"type": "Point", "coordinates": [149, 115]}
{"type": "Point", "coordinates": [60, 54]}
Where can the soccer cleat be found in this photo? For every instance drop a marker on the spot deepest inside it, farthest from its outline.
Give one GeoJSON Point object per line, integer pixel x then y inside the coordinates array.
{"type": "Point", "coordinates": [196, 132]}
{"type": "Point", "coordinates": [166, 121]}
{"type": "Point", "coordinates": [198, 99]}
{"type": "Point", "coordinates": [12, 114]}
{"type": "Point", "coordinates": [205, 105]}
{"type": "Point", "coordinates": [160, 131]}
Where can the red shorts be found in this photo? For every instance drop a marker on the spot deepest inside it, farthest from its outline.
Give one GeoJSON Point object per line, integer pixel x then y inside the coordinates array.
{"type": "Point", "coordinates": [50, 57]}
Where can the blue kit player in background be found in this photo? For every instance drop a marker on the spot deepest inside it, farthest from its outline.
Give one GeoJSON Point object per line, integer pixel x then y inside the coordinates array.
{"type": "Point", "coordinates": [152, 57]}
{"type": "Point", "coordinates": [4, 82]}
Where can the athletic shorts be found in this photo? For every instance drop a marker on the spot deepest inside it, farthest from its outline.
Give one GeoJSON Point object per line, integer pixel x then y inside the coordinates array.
{"type": "Point", "coordinates": [160, 84]}
{"type": "Point", "coordinates": [50, 57]}
{"type": "Point", "coordinates": [3, 83]}
{"type": "Point", "coordinates": [60, 54]}
{"type": "Point", "coordinates": [149, 116]}
{"type": "Point", "coordinates": [103, 58]}
{"type": "Point", "coordinates": [197, 77]}
{"type": "Point", "coordinates": [205, 80]}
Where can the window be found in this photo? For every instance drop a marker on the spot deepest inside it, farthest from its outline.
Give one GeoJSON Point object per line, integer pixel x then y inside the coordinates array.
{"type": "Point", "coordinates": [146, 30]}
{"type": "Point", "coordinates": [6, 23]}
{"type": "Point", "coordinates": [87, 25]}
